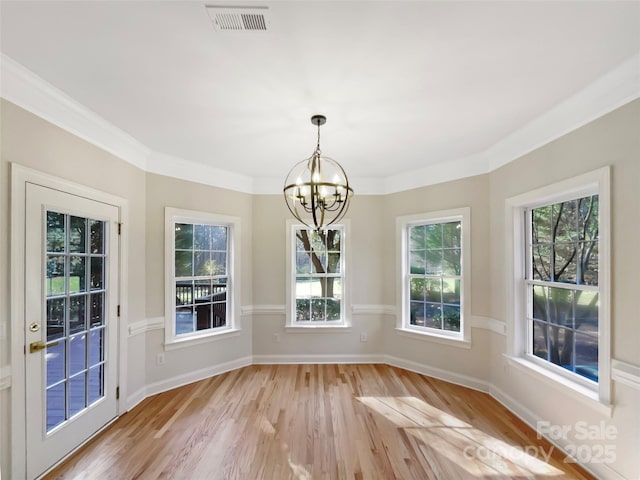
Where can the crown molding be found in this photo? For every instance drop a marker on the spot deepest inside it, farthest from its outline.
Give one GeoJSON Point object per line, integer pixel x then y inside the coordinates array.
{"type": "Point", "coordinates": [30, 92]}
{"type": "Point", "coordinates": [177, 167]}
{"type": "Point", "coordinates": [437, 173]}
{"type": "Point", "coordinates": [614, 89]}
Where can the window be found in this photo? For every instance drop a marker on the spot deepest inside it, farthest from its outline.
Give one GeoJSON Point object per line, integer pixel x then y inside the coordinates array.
{"type": "Point", "coordinates": [433, 257]}
{"type": "Point", "coordinates": [559, 292]}
{"type": "Point", "coordinates": [562, 284]}
{"type": "Point", "coordinates": [202, 251]}
{"type": "Point", "coordinates": [316, 265]}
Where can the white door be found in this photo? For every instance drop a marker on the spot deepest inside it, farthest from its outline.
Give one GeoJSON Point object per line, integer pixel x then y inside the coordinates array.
{"type": "Point", "coordinates": [71, 292]}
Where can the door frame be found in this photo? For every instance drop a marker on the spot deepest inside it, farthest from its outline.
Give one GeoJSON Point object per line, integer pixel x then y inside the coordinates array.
{"type": "Point", "coordinates": [20, 176]}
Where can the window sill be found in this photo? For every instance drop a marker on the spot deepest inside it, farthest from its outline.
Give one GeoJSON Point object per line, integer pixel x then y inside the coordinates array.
{"type": "Point", "coordinates": [200, 339]}
{"type": "Point", "coordinates": [432, 337]}
{"type": "Point", "coordinates": [575, 390]}
{"type": "Point", "coordinates": [317, 328]}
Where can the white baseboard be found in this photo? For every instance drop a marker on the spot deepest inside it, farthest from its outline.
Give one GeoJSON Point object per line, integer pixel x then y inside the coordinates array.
{"type": "Point", "coordinates": [306, 359]}
{"type": "Point", "coordinates": [180, 380]}
{"type": "Point", "coordinates": [599, 470]}
{"type": "Point", "coordinates": [135, 398]}
{"type": "Point", "coordinates": [446, 375]}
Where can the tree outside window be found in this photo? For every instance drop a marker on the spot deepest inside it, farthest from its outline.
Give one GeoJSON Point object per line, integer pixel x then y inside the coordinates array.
{"type": "Point", "coordinates": [562, 284]}
{"type": "Point", "coordinates": [319, 275]}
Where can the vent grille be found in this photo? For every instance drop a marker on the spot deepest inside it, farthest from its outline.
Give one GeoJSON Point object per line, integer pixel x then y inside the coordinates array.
{"type": "Point", "coordinates": [239, 19]}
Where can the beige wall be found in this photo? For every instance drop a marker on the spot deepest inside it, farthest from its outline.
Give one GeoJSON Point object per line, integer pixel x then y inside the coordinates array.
{"type": "Point", "coordinates": [470, 192]}
{"type": "Point", "coordinates": [365, 282]}
{"type": "Point", "coordinates": [611, 140]}
{"type": "Point", "coordinates": [32, 142]}
{"type": "Point", "coordinates": [170, 192]}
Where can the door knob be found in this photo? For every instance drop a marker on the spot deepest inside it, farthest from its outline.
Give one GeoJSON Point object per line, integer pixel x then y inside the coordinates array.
{"type": "Point", "coordinates": [37, 346]}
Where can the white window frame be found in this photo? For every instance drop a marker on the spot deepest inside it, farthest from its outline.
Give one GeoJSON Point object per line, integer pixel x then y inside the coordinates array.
{"type": "Point", "coordinates": [403, 325]}
{"type": "Point", "coordinates": [344, 324]}
{"type": "Point", "coordinates": [591, 183]}
{"type": "Point", "coordinates": [173, 216]}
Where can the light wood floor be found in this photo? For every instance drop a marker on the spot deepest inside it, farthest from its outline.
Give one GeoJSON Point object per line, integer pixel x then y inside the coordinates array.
{"type": "Point", "coordinates": [318, 422]}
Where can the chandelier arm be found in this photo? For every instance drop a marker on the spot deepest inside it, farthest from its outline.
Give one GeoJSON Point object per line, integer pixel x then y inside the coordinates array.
{"type": "Point", "coordinates": [296, 213]}
{"type": "Point", "coordinates": [343, 211]}
{"type": "Point", "coordinates": [326, 201]}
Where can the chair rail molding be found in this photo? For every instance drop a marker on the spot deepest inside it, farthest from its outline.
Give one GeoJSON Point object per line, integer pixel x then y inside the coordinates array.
{"type": "Point", "coordinates": [625, 373]}
{"type": "Point", "coordinates": [146, 325]}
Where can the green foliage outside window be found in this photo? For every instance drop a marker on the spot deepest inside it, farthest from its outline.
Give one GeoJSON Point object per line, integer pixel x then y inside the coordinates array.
{"type": "Point", "coordinates": [435, 270]}
{"type": "Point", "coordinates": [318, 276]}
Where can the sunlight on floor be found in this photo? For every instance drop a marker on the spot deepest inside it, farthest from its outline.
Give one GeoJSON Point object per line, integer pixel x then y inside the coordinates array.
{"type": "Point", "coordinates": [456, 444]}
{"type": "Point", "coordinates": [298, 472]}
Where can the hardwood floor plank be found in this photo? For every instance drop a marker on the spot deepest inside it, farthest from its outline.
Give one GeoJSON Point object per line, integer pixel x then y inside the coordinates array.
{"type": "Point", "coordinates": [308, 422]}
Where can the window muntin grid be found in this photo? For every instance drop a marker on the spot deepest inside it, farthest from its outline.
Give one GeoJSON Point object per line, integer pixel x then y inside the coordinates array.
{"type": "Point", "coordinates": [75, 297]}
{"type": "Point", "coordinates": [562, 285]}
{"type": "Point", "coordinates": [201, 276]}
{"type": "Point", "coordinates": [318, 275]}
{"type": "Point", "coordinates": [434, 278]}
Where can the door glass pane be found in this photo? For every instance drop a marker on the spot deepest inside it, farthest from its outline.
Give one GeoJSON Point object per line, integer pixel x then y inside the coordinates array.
{"type": "Point", "coordinates": [96, 383]}
{"type": "Point", "coordinates": [55, 274]}
{"type": "Point", "coordinates": [56, 403]}
{"type": "Point", "coordinates": [77, 314]}
{"type": "Point", "coordinates": [55, 318]}
{"type": "Point", "coordinates": [97, 310]}
{"type": "Point", "coordinates": [97, 272]}
{"type": "Point", "coordinates": [77, 265]}
{"type": "Point", "coordinates": [78, 234]}
{"type": "Point", "coordinates": [77, 275]}
{"type": "Point", "coordinates": [77, 394]}
{"type": "Point", "coordinates": [55, 232]}
{"type": "Point", "coordinates": [55, 363]}
{"type": "Point", "coordinates": [77, 354]}
{"type": "Point", "coordinates": [97, 236]}
{"type": "Point", "coordinates": [96, 347]}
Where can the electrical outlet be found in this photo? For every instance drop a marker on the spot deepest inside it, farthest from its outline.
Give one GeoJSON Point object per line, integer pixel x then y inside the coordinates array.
{"type": "Point", "coordinates": [276, 338]}
{"type": "Point", "coordinates": [363, 337]}
{"type": "Point", "coordinates": [160, 359]}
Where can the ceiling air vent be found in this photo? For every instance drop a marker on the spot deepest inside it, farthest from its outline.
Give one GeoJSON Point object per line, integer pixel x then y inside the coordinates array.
{"type": "Point", "coordinates": [239, 19]}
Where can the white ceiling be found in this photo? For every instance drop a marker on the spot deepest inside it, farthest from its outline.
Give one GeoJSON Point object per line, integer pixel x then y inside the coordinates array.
{"type": "Point", "coordinates": [406, 86]}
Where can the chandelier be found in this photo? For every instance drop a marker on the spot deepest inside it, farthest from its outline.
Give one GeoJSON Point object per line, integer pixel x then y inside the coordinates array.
{"type": "Point", "coordinates": [317, 190]}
